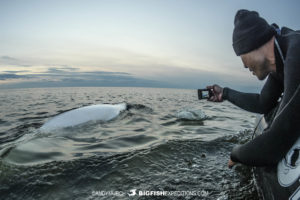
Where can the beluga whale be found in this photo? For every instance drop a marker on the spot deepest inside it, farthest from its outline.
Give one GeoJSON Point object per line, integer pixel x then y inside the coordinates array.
{"type": "Point", "coordinates": [99, 112]}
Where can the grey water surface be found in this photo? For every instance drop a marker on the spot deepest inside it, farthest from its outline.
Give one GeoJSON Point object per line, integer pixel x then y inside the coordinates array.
{"type": "Point", "coordinates": [167, 140]}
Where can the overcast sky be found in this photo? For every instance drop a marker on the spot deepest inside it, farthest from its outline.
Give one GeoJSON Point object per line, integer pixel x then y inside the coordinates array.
{"type": "Point", "coordinates": [150, 43]}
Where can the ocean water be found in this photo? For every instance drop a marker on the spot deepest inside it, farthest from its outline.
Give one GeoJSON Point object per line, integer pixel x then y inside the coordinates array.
{"type": "Point", "coordinates": [167, 140]}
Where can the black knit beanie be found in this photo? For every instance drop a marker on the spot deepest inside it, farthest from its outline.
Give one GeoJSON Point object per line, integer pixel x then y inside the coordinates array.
{"type": "Point", "coordinates": [250, 32]}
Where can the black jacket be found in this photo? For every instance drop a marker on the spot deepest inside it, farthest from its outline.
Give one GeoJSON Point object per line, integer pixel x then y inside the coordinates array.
{"type": "Point", "coordinates": [271, 146]}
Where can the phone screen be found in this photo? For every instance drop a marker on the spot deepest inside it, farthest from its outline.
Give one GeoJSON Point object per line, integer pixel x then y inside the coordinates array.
{"type": "Point", "coordinates": [205, 94]}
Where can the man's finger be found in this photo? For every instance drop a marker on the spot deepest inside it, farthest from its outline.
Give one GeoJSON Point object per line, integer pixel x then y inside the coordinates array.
{"type": "Point", "coordinates": [220, 97]}
{"type": "Point", "coordinates": [231, 164]}
{"type": "Point", "coordinates": [215, 98]}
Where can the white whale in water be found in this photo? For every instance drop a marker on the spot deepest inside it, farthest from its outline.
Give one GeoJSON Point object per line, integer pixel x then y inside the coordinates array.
{"type": "Point", "coordinates": [100, 112]}
{"type": "Point", "coordinates": [191, 114]}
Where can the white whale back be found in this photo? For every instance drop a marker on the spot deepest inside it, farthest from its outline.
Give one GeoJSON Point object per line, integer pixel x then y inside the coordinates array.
{"type": "Point", "coordinates": [101, 112]}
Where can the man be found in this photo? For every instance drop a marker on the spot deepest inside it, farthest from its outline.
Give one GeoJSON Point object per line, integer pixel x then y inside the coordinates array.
{"type": "Point", "coordinates": [269, 52]}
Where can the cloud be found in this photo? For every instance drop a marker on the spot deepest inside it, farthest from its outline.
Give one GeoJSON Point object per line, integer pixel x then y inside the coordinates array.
{"type": "Point", "coordinates": [8, 60]}
{"type": "Point", "coordinates": [10, 76]}
{"type": "Point", "coordinates": [107, 73]}
{"type": "Point", "coordinates": [160, 76]}
{"type": "Point", "coordinates": [68, 68]}
{"type": "Point", "coordinates": [191, 78]}
{"type": "Point", "coordinates": [62, 74]}
{"type": "Point", "coordinates": [53, 70]}
{"type": "Point", "coordinates": [16, 71]}
{"type": "Point", "coordinates": [61, 69]}
{"type": "Point", "coordinates": [56, 77]}
{"type": "Point", "coordinates": [96, 78]}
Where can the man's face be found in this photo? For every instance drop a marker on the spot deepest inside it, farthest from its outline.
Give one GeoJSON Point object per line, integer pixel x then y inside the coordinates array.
{"type": "Point", "coordinates": [257, 64]}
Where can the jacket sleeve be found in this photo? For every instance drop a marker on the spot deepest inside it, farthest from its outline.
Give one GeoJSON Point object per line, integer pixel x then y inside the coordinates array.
{"type": "Point", "coordinates": [259, 103]}
{"type": "Point", "coordinates": [273, 144]}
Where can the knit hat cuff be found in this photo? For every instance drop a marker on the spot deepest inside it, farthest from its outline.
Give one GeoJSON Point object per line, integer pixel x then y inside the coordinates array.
{"type": "Point", "coordinates": [240, 47]}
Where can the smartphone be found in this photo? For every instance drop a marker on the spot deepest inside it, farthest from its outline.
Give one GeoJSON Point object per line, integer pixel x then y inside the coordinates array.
{"type": "Point", "coordinates": [204, 93]}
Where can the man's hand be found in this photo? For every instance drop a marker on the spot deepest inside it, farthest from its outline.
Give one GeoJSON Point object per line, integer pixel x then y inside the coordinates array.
{"type": "Point", "coordinates": [217, 93]}
{"type": "Point", "coordinates": [231, 164]}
